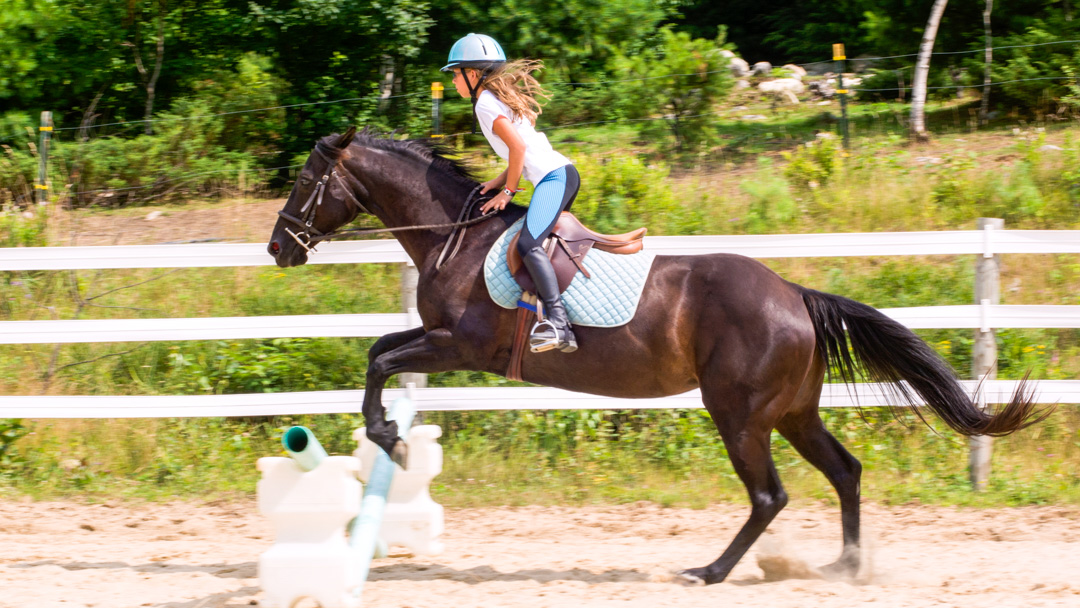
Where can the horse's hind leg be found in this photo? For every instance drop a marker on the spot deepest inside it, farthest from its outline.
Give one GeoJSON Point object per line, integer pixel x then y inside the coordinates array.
{"type": "Point", "coordinates": [804, 429]}
{"type": "Point", "coordinates": [746, 432]}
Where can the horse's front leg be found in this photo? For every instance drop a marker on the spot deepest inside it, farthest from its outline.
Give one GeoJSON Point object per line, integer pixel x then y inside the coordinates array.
{"type": "Point", "coordinates": [428, 353]}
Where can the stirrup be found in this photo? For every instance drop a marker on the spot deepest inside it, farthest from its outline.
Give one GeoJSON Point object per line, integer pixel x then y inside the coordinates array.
{"type": "Point", "coordinates": [544, 345]}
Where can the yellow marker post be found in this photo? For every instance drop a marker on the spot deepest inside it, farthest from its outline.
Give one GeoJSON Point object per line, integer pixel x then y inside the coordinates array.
{"type": "Point", "coordinates": [436, 109]}
{"type": "Point", "coordinates": [838, 58]}
{"type": "Point", "coordinates": [41, 188]}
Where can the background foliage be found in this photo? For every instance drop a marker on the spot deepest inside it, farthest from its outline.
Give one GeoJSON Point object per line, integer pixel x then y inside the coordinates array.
{"type": "Point", "coordinates": [91, 63]}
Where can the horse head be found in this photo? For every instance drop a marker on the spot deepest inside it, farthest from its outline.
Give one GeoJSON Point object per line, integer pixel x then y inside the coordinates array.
{"type": "Point", "coordinates": [323, 199]}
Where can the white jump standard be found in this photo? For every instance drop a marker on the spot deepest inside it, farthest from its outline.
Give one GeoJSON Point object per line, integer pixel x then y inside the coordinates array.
{"type": "Point", "coordinates": [312, 498]}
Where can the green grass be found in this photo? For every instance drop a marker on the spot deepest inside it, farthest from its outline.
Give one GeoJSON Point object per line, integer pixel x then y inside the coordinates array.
{"type": "Point", "coordinates": [762, 178]}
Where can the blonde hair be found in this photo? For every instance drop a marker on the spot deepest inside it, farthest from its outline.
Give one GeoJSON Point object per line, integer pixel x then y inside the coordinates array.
{"type": "Point", "coordinates": [513, 84]}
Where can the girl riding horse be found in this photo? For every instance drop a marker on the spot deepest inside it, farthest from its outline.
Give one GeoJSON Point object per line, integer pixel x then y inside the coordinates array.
{"type": "Point", "coordinates": [504, 103]}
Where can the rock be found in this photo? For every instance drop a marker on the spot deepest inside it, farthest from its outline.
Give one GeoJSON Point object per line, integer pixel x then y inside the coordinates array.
{"type": "Point", "coordinates": [754, 117]}
{"type": "Point", "coordinates": [153, 215]}
{"type": "Point", "coordinates": [1049, 148]}
{"type": "Point", "coordinates": [823, 89]}
{"type": "Point", "coordinates": [928, 160]}
{"type": "Point", "coordinates": [850, 80]}
{"type": "Point", "coordinates": [825, 135]}
{"type": "Point", "coordinates": [739, 67]}
{"type": "Point", "coordinates": [762, 68]}
{"type": "Point", "coordinates": [782, 85]}
{"type": "Point", "coordinates": [796, 71]}
{"type": "Point", "coordinates": [727, 53]}
{"type": "Point", "coordinates": [741, 84]}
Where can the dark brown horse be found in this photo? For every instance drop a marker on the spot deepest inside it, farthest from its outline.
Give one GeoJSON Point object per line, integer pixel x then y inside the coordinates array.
{"type": "Point", "coordinates": [757, 346]}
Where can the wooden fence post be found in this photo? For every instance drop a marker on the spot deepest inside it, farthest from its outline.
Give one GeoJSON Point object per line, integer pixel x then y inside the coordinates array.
{"type": "Point", "coordinates": [984, 350]}
{"type": "Point", "coordinates": [41, 188]}
{"type": "Point", "coordinates": [410, 276]}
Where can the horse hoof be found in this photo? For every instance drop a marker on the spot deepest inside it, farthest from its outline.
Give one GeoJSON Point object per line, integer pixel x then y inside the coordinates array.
{"type": "Point", "coordinates": [687, 578]}
{"type": "Point", "coordinates": [840, 570]}
{"type": "Point", "coordinates": [400, 454]}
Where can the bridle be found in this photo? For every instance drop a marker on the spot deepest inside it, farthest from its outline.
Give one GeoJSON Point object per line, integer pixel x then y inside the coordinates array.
{"type": "Point", "coordinates": [309, 236]}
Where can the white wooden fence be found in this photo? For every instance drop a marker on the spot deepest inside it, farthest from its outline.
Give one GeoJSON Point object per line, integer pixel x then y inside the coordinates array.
{"type": "Point", "coordinates": [971, 242]}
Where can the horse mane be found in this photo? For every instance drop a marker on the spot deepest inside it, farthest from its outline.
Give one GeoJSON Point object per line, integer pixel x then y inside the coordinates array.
{"type": "Point", "coordinates": [432, 151]}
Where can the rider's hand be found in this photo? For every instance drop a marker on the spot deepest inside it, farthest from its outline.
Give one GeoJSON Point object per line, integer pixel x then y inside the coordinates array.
{"type": "Point", "coordinates": [491, 185]}
{"type": "Point", "coordinates": [498, 203]}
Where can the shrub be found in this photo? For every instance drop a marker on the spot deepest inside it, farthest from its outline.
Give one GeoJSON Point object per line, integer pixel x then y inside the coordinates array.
{"type": "Point", "coordinates": [813, 164]}
{"type": "Point", "coordinates": [621, 193]}
{"type": "Point", "coordinates": [684, 79]}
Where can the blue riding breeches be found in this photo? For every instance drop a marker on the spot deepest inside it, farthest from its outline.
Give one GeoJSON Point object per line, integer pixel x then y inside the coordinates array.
{"type": "Point", "coordinates": [553, 195]}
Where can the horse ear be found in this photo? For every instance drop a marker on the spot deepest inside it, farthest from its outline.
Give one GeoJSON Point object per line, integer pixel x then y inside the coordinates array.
{"type": "Point", "coordinates": [346, 139]}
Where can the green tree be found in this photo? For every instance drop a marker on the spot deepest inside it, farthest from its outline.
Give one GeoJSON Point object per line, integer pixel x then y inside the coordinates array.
{"type": "Point", "coordinates": [576, 38]}
{"type": "Point", "coordinates": [680, 77]}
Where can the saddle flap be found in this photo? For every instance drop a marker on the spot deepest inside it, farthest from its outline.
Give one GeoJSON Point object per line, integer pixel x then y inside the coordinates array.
{"type": "Point", "coordinates": [564, 266]}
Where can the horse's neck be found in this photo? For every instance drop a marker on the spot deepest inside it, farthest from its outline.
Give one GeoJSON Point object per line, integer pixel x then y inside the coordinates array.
{"type": "Point", "coordinates": [415, 202]}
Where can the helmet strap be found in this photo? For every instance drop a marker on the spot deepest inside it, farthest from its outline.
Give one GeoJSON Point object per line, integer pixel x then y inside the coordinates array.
{"type": "Point", "coordinates": [473, 92]}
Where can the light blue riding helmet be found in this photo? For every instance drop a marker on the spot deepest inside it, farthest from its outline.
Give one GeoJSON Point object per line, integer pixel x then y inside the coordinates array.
{"type": "Point", "coordinates": [475, 51]}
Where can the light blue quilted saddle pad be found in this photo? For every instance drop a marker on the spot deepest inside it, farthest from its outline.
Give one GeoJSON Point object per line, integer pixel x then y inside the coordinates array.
{"type": "Point", "coordinates": [608, 299]}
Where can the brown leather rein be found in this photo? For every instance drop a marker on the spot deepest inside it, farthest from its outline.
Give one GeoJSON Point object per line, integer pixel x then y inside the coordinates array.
{"type": "Point", "coordinates": [309, 236]}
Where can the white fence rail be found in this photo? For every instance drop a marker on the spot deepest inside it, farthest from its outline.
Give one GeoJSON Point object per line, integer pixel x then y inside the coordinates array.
{"type": "Point", "coordinates": [973, 242]}
{"type": "Point", "coordinates": [374, 325]}
{"type": "Point", "coordinates": [445, 399]}
{"type": "Point", "coordinates": [956, 242]}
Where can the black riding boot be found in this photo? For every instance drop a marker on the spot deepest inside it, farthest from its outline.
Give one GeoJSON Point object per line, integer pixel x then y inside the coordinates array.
{"type": "Point", "coordinates": [555, 331]}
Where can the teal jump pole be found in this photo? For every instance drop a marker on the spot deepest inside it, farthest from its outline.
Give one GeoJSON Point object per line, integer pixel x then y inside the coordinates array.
{"type": "Point", "coordinates": [364, 529]}
{"type": "Point", "coordinates": [304, 448]}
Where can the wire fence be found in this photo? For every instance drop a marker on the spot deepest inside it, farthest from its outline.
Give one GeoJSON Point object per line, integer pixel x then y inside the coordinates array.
{"type": "Point", "coordinates": [381, 98]}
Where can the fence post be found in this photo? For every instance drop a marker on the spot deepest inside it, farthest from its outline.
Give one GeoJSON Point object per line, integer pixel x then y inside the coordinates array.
{"type": "Point", "coordinates": [984, 350]}
{"type": "Point", "coordinates": [41, 188]}
{"type": "Point", "coordinates": [838, 58]}
{"type": "Point", "coordinates": [436, 109]}
{"type": "Point", "coordinates": [410, 276]}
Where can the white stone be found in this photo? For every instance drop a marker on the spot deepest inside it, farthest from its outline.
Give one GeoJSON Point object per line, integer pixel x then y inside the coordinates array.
{"type": "Point", "coordinates": [762, 68]}
{"type": "Point", "coordinates": [797, 72]}
{"type": "Point", "coordinates": [781, 85]}
{"type": "Point", "coordinates": [739, 67]}
{"type": "Point", "coordinates": [153, 215]}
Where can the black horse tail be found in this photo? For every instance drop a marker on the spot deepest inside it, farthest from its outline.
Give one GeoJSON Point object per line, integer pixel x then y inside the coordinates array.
{"type": "Point", "coordinates": [886, 351]}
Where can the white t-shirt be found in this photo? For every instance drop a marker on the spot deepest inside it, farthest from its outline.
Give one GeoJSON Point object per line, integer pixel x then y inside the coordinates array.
{"type": "Point", "coordinates": [540, 157]}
